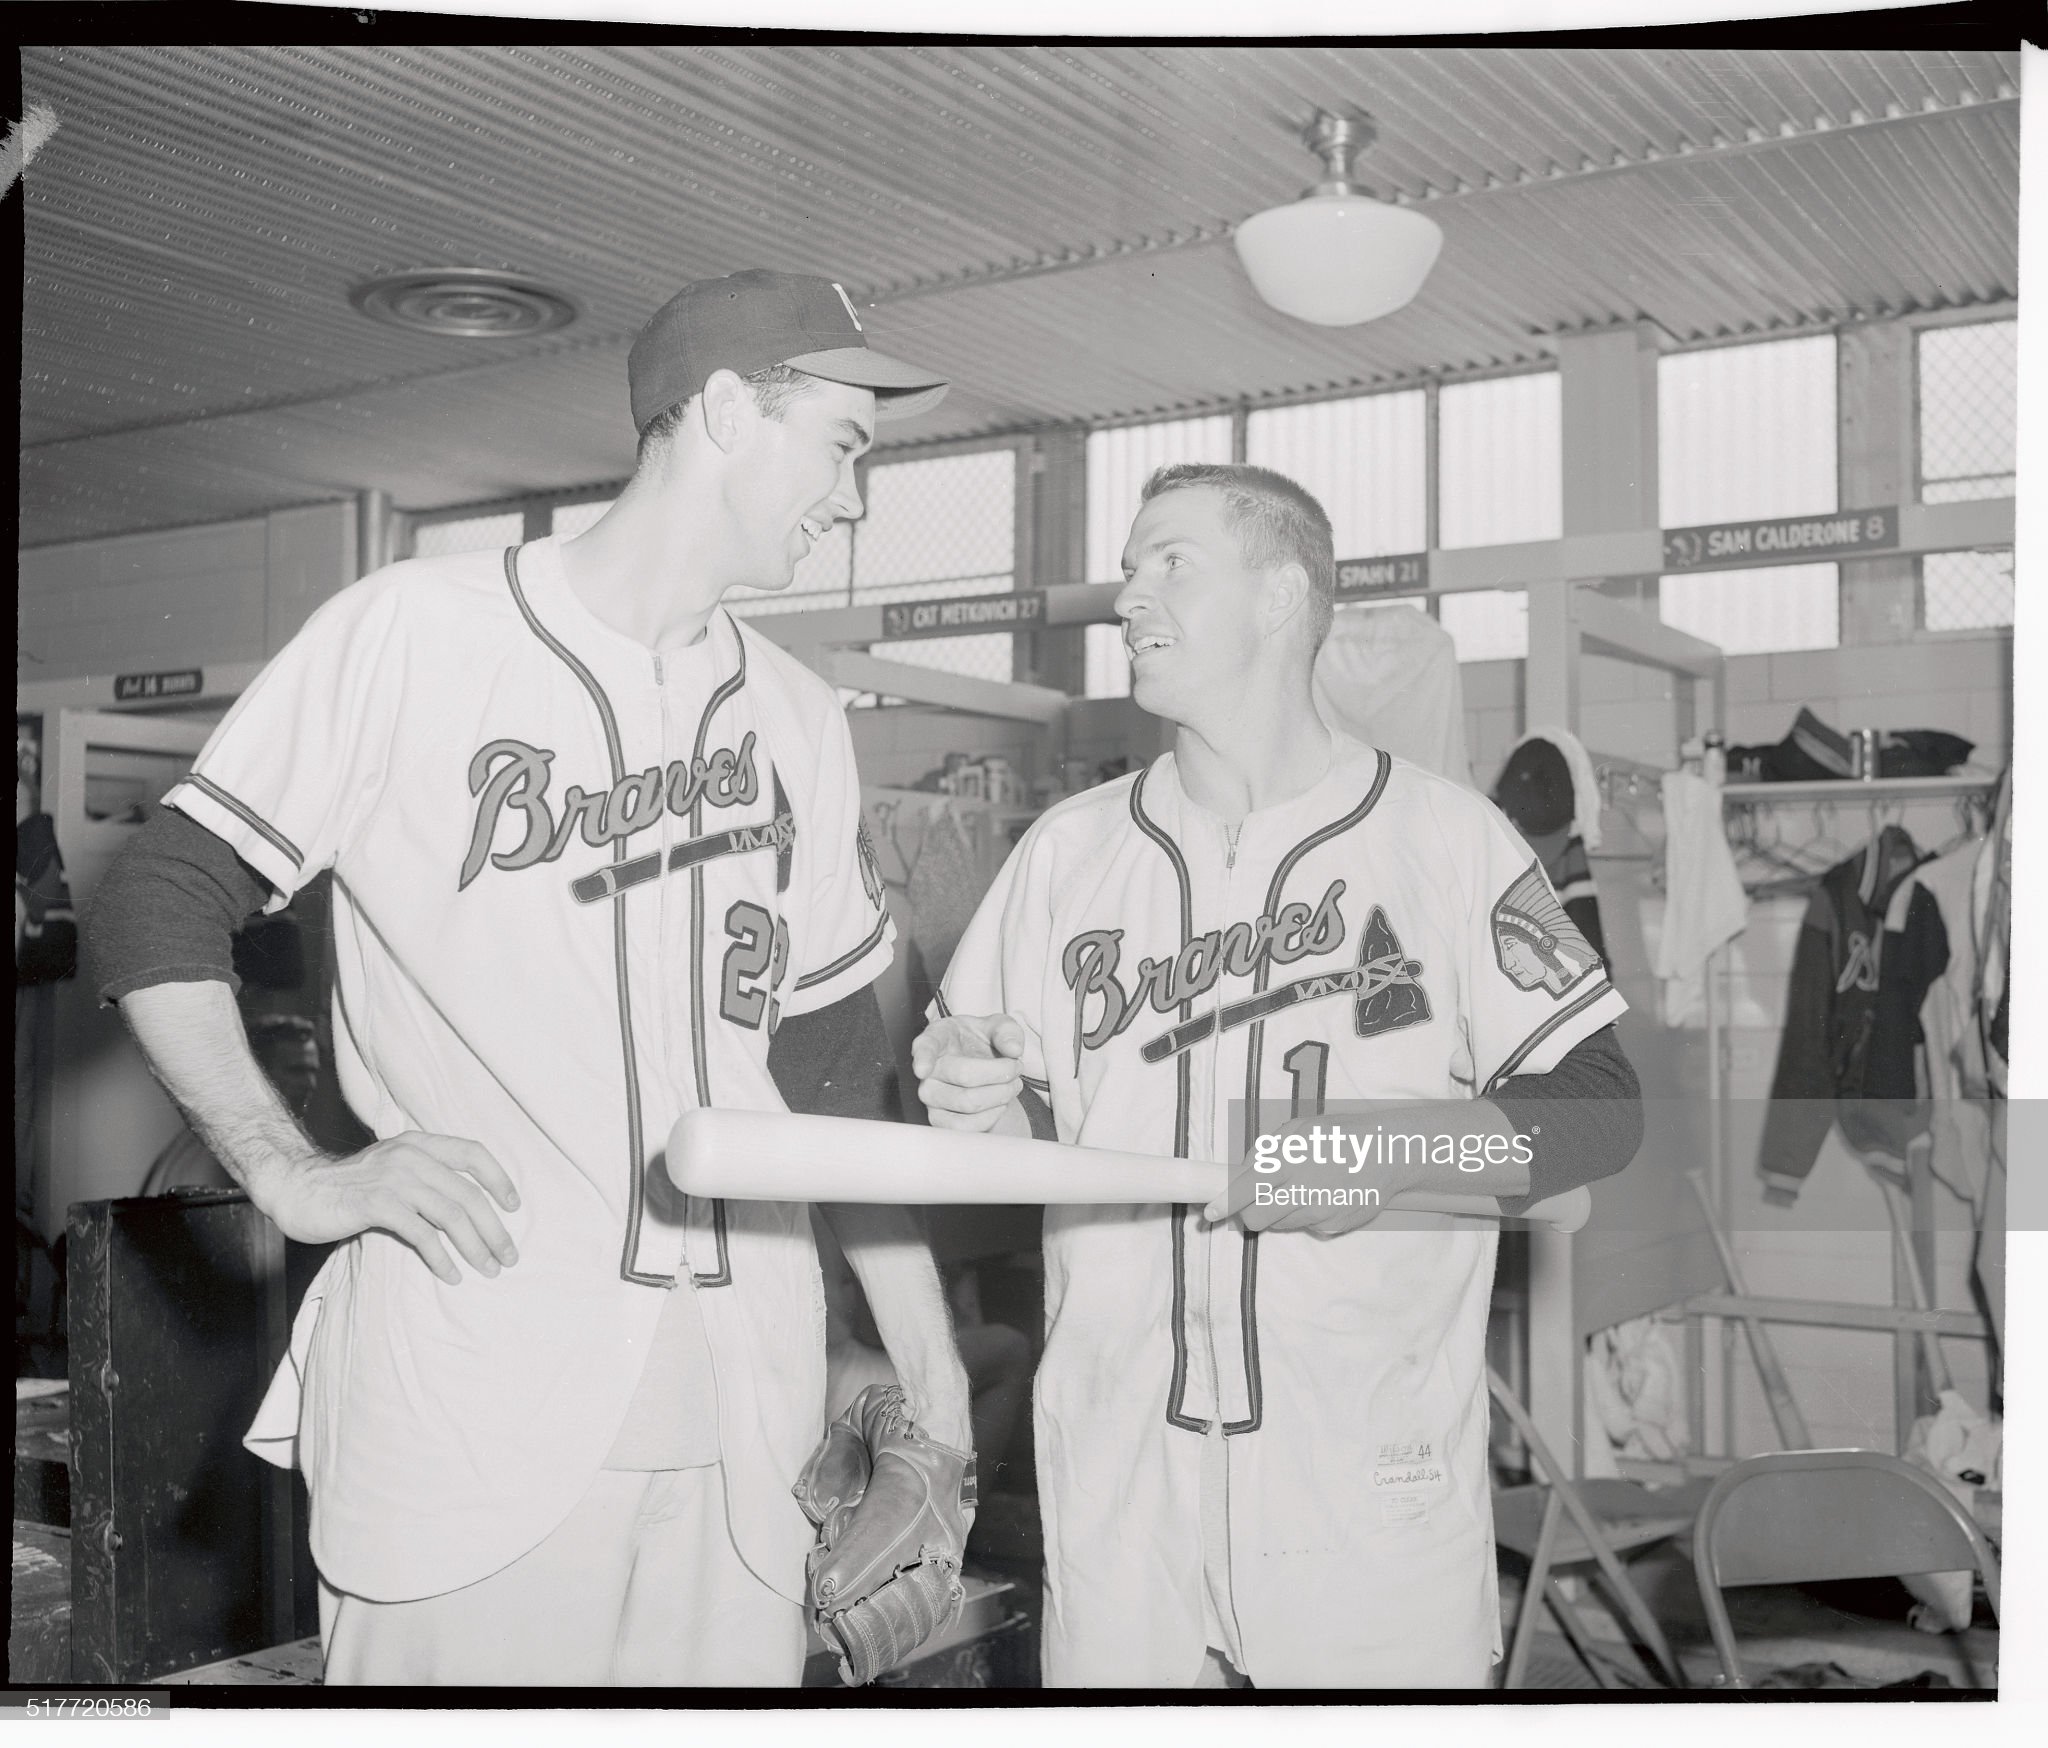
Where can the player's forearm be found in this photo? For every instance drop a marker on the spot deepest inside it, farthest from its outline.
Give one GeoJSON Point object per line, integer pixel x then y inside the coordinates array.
{"type": "Point", "coordinates": [192, 1036]}
{"type": "Point", "coordinates": [892, 1259]}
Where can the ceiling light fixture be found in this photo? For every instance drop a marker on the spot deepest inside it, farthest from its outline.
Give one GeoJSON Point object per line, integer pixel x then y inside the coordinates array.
{"type": "Point", "coordinates": [465, 303]}
{"type": "Point", "coordinates": [1338, 256]}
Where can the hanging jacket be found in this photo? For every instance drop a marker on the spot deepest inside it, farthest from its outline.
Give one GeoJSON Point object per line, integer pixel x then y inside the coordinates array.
{"type": "Point", "coordinates": [1831, 1011]}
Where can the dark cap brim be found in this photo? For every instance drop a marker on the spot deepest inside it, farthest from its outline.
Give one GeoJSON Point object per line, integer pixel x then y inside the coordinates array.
{"type": "Point", "coordinates": [901, 390]}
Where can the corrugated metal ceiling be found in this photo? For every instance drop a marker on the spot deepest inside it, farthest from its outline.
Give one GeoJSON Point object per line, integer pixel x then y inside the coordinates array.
{"type": "Point", "coordinates": [1045, 223]}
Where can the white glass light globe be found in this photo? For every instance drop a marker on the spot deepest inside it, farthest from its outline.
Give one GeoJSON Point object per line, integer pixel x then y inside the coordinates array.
{"type": "Point", "coordinates": [1338, 259]}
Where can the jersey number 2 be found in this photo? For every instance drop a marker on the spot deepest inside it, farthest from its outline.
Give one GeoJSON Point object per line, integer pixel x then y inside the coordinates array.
{"type": "Point", "coordinates": [754, 966]}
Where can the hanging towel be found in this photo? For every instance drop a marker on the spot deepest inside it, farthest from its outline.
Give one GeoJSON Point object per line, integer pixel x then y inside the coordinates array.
{"type": "Point", "coordinates": [1388, 675]}
{"type": "Point", "coordinates": [1704, 901]}
{"type": "Point", "coordinates": [1633, 1394]}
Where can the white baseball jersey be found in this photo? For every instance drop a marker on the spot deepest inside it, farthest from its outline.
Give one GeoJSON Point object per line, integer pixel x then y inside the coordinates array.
{"type": "Point", "coordinates": [575, 886]}
{"type": "Point", "coordinates": [1384, 936]}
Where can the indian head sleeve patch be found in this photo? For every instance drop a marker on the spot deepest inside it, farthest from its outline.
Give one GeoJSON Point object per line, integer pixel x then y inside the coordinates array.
{"type": "Point", "coordinates": [1535, 944]}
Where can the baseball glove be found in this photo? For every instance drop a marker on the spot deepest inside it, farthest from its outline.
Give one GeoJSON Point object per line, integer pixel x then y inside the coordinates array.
{"type": "Point", "coordinates": [893, 1510]}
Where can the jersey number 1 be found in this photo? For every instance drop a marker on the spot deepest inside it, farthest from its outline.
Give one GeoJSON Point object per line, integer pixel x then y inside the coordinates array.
{"type": "Point", "coordinates": [759, 955]}
{"type": "Point", "coordinates": [1308, 1066]}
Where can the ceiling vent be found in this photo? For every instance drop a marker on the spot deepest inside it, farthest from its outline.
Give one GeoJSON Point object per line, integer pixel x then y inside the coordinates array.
{"type": "Point", "coordinates": [463, 303]}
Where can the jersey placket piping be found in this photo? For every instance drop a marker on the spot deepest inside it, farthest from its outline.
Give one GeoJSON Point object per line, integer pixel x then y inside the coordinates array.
{"type": "Point", "coordinates": [635, 1153]}
{"type": "Point", "coordinates": [1255, 1044]}
{"type": "Point", "coordinates": [1183, 1071]}
{"type": "Point", "coordinates": [721, 1276]}
{"type": "Point", "coordinates": [1217, 1236]}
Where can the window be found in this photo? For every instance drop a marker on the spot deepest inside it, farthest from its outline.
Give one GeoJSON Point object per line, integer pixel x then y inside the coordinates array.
{"type": "Point", "coordinates": [824, 578]}
{"type": "Point", "coordinates": [1746, 433]}
{"type": "Point", "coordinates": [1366, 461]}
{"type": "Point", "coordinates": [1969, 382]}
{"type": "Point", "coordinates": [1118, 464]}
{"type": "Point", "coordinates": [943, 525]}
{"type": "Point", "coordinates": [934, 525]}
{"type": "Point", "coordinates": [1966, 591]}
{"type": "Point", "coordinates": [1500, 471]}
{"type": "Point", "coordinates": [468, 534]}
{"type": "Point", "coordinates": [1487, 625]}
{"type": "Point", "coordinates": [1757, 612]}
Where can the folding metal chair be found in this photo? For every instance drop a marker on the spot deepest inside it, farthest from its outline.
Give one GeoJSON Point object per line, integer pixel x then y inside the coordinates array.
{"type": "Point", "coordinates": [1804, 1516]}
{"type": "Point", "coordinates": [1557, 1522]}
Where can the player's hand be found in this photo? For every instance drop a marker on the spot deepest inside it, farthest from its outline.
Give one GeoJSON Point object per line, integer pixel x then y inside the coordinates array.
{"type": "Point", "coordinates": [967, 1069]}
{"type": "Point", "coordinates": [420, 1188]}
{"type": "Point", "coordinates": [1265, 1201]}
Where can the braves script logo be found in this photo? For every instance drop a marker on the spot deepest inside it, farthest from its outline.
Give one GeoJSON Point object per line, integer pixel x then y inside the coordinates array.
{"type": "Point", "coordinates": [1385, 981]}
{"type": "Point", "coordinates": [509, 774]}
{"type": "Point", "coordinates": [1089, 965]}
{"type": "Point", "coordinates": [1534, 941]}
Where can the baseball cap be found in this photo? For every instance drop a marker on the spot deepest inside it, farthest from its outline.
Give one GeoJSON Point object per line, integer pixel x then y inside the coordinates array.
{"type": "Point", "coordinates": [1534, 788]}
{"type": "Point", "coordinates": [750, 321]}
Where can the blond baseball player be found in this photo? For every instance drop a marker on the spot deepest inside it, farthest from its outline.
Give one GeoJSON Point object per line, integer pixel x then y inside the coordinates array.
{"type": "Point", "coordinates": [1262, 1426]}
{"type": "Point", "coordinates": [597, 860]}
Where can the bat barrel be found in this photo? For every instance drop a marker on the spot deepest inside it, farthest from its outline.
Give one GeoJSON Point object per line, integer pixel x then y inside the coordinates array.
{"type": "Point", "coordinates": [781, 1156]}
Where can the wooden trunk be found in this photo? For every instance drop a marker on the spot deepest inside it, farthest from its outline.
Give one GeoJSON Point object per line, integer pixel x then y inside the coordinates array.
{"type": "Point", "coordinates": [185, 1547]}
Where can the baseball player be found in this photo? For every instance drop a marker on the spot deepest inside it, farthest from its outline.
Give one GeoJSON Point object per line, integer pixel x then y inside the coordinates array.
{"type": "Point", "coordinates": [597, 860]}
{"type": "Point", "coordinates": [1262, 1434]}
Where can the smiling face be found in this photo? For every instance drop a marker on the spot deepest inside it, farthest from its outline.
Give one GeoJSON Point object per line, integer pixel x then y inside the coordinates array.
{"type": "Point", "coordinates": [791, 475]}
{"type": "Point", "coordinates": [1190, 606]}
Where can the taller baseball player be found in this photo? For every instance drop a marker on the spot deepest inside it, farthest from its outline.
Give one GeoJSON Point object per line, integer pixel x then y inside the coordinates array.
{"type": "Point", "coordinates": [1262, 1438]}
{"type": "Point", "coordinates": [597, 860]}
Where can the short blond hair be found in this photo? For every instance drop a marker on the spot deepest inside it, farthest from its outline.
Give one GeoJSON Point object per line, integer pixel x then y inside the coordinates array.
{"type": "Point", "coordinates": [1276, 521]}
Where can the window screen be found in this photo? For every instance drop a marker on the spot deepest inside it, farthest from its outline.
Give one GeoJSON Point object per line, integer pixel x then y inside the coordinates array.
{"type": "Point", "coordinates": [1363, 458]}
{"type": "Point", "coordinates": [1969, 386]}
{"type": "Point", "coordinates": [1746, 432]}
{"type": "Point", "coordinates": [1499, 461]}
{"type": "Point", "coordinates": [1756, 612]}
{"type": "Point", "coordinates": [933, 525]}
{"type": "Point", "coordinates": [1966, 591]}
{"type": "Point", "coordinates": [1487, 625]}
{"type": "Point", "coordinates": [944, 525]}
{"type": "Point", "coordinates": [468, 534]}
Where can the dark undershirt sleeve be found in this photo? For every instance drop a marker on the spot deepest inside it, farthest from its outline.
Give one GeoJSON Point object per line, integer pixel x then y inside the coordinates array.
{"type": "Point", "coordinates": [837, 1061]}
{"type": "Point", "coordinates": [1590, 1111]}
{"type": "Point", "coordinates": [166, 911]}
{"type": "Point", "coordinates": [1039, 1114]}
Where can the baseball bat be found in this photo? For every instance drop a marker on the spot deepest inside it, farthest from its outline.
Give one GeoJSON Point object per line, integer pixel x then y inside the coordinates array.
{"type": "Point", "coordinates": [1785, 1413]}
{"type": "Point", "coordinates": [780, 1156]}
